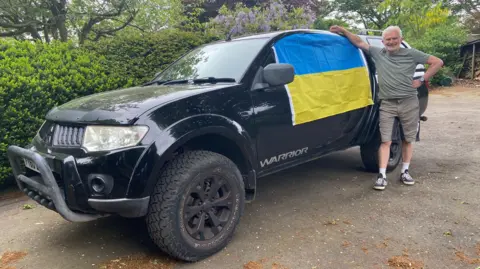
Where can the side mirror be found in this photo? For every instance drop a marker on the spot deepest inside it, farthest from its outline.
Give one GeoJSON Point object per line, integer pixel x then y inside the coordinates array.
{"type": "Point", "coordinates": [278, 74]}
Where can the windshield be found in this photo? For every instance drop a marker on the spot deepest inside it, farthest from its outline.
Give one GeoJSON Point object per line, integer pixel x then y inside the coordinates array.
{"type": "Point", "coordinates": [223, 60]}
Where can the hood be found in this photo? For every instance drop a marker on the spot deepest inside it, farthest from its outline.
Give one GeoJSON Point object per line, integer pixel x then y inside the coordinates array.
{"type": "Point", "coordinates": [123, 106]}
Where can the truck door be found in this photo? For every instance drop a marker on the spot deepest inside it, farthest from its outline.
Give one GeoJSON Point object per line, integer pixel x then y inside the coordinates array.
{"type": "Point", "coordinates": [331, 92]}
{"type": "Point", "coordinates": [321, 110]}
{"type": "Point", "coordinates": [278, 142]}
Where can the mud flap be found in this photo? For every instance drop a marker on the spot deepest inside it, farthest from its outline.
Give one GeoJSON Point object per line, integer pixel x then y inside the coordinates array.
{"type": "Point", "coordinates": [418, 132]}
{"type": "Point", "coordinates": [250, 186]}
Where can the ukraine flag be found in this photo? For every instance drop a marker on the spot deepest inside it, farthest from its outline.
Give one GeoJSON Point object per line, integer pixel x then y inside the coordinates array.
{"type": "Point", "coordinates": [331, 75]}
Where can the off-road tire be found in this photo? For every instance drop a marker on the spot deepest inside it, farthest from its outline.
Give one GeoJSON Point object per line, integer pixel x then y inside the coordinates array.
{"type": "Point", "coordinates": [369, 153]}
{"type": "Point", "coordinates": [167, 212]}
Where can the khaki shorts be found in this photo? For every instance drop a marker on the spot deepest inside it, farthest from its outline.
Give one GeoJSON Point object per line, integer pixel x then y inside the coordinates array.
{"type": "Point", "coordinates": [407, 110]}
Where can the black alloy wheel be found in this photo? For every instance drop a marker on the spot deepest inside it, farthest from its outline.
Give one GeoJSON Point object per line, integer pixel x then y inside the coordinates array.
{"type": "Point", "coordinates": [196, 205]}
{"type": "Point", "coordinates": [208, 207]}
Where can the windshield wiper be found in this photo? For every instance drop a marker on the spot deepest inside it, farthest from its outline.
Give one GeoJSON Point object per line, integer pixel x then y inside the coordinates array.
{"type": "Point", "coordinates": [213, 80]}
{"type": "Point", "coordinates": [165, 82]}
{"type": "Point", "coordinates": [196, 80]}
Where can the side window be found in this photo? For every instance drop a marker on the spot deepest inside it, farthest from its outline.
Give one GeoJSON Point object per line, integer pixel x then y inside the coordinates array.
{"type": "Point", "coordinates": [270, 59]}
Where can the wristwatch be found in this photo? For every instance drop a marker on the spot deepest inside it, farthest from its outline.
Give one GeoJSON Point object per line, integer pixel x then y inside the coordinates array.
{"type": "Point", "coordinates": [422, 79]}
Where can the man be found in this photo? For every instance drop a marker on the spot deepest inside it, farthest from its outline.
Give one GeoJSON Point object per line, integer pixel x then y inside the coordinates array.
{"type": "Point", "coordinates": [398, 93]}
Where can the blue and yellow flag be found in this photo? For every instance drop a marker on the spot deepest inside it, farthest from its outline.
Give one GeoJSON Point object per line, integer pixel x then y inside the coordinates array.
{"type": "Point", "coordinates": [331, 75]}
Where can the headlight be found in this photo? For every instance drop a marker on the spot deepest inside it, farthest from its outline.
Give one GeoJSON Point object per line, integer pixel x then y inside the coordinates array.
{"type": "Point", "coordinates": [100, 138]}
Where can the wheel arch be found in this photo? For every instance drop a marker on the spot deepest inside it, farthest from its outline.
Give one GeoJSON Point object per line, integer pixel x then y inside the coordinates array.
{"type": "Point", "coordinates": [210, 133]}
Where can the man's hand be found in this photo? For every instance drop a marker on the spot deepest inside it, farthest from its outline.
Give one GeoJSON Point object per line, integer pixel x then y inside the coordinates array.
{"type": "Point", "coordinates": [416, 83]}
{"type": "Point", "coordinates": [356, 40]}
{"type": "Point", "coordinates": [337, 29]}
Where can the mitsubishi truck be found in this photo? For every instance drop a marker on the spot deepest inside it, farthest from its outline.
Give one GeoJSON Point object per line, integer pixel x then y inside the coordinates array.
{"type": "Point", "coordinates": [185, 150]}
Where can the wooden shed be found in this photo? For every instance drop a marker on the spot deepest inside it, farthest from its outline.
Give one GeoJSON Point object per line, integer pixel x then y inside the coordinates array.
{"type": "Point", "coordinates": [471, 60]}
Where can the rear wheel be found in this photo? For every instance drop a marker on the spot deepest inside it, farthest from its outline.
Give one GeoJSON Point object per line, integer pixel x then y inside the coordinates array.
{"type": "Point", "coordinates": [196, 205]}
{"type": "Point", "coordinates": [369, 152]}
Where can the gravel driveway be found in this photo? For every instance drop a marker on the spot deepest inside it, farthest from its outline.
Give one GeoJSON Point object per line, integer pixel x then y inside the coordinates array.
{"type": "Point", "coordinates": [323, 214]}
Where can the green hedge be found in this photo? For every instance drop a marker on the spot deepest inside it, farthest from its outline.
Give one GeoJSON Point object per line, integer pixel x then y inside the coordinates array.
{"type": "Point", "coordinates": [35, 77]}
{"type": "Point", "coordinates": [139, 57]}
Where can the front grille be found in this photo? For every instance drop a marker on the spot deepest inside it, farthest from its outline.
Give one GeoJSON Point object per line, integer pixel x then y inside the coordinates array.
{"type": "Point", "coordinates": [68, 135]}
{"type": "Point", "coordinates": [54, 134]}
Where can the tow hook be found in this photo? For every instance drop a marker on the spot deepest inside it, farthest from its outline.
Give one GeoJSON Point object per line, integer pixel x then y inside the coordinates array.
{"type": "Point", "coordinates": [423, 118]}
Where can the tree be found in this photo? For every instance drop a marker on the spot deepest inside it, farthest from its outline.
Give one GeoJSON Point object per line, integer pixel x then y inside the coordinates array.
{"type": "Point", "coordinates": [84, 19]}
{"type": "Point", "coordinates": [211, 7]}
{"type": "Point", "coordinates": [366, 12]}
{"type": "Point", "coordinates": [95, 19]}
{"type": "Point", "coordinates": [325, 24]}
{"type": "Point", "coordinates": [415, 16]}
{"type": "Point", "coordinates": [22, 18]}
{"type": "Point", "coordinates": [318, 7]}
{"type": "Point", "coordinates": [155, 15]}
{"type": "Point", "coordinates": [471, 9]}
{"type": "Point", "coordinates": [271, 17]}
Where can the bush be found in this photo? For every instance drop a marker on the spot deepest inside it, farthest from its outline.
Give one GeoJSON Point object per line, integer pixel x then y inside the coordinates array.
{"type": "Point", "coordinates": [444, 42]}
{"type": "Point", "coordinates": [35, 77]}
{"type": "Point", "coordinates": [138, 57]}
{"type": "Point", "coordinates": [325, 24]}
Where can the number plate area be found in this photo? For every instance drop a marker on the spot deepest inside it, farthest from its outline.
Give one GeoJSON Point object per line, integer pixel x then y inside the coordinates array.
{"type": "Point", "coordinates": [31, 165]}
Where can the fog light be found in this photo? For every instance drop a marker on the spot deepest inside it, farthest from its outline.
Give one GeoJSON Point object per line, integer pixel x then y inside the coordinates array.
{"type": "Point", "coordinates": [98, 185]}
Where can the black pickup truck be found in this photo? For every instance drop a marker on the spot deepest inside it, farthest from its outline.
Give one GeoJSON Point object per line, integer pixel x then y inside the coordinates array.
{"type": "Point", "coordinates": [186, 149]}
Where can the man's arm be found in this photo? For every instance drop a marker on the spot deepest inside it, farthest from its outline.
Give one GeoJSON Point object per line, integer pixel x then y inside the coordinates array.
{"type": "Point", "coordinates": [356, 40]}
{"type": "Point", "coordinates": [435, 64]}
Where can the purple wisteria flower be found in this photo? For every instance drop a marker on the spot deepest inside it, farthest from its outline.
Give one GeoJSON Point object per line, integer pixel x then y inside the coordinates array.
{"type": "Point", "coordinates": [266, 28]}
{"type": "Point", "coordinates": [273, 16]}
{"type": "Point", "coordinates": [251, 16]}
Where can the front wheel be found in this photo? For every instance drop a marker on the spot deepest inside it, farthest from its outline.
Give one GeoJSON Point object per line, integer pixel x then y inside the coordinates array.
{"type": "Point", "coordinates": [196, 205]}
{"type": "Point", "coordinates": [369, 152]}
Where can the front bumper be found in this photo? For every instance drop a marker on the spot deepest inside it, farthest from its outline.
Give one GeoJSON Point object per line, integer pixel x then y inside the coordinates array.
{"type": "Point", "coordinates": [45, 190]}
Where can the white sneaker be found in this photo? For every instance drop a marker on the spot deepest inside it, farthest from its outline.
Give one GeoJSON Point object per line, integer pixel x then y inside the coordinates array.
{"type": "Point", "coordinates": [381, 182]}
{"type": "Point", "coordinates": [407, 178]}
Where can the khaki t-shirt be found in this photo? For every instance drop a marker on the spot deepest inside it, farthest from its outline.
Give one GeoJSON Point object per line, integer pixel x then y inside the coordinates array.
{"type": "Point", "coordinates": [395, 71]}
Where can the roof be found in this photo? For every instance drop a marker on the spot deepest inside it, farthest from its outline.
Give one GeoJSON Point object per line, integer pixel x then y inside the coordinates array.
{"type": "Point", "coordinates": [466, 47]}
{"type": "Point", "coordinates": [277, 33]}
{"type": "Point", "coordinates": [273, 35]}
{"type": "Point", "coordinates": [471, 43]}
